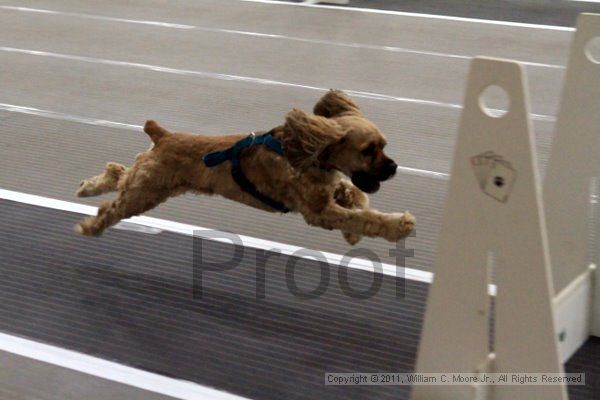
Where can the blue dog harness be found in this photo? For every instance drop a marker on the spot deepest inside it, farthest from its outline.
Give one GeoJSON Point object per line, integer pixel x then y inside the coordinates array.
{"type": "Point", "coordinates": [233, 154]}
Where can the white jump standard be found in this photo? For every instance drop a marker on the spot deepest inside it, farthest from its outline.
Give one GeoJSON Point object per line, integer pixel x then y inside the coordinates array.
{"type": "Point", "coordinates": [534, 247]}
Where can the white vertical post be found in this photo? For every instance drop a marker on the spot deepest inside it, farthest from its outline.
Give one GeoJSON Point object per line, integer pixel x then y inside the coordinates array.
{"type": "Point", "coordinates": [493, 204]}
{"type": "Point", "coordinates": [574, 162]}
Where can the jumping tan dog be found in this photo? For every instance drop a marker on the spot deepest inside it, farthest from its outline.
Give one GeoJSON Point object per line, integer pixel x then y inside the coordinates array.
{"type": "Point", "coordinates": [307, 179]}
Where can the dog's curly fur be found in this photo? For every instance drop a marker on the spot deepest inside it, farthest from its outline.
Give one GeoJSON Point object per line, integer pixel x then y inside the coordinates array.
{"type": "Point", "coordinates": [319, 149]}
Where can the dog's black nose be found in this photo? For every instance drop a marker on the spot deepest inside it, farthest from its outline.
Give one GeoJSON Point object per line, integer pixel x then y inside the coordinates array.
{"type": "Point", "coordinates": [390, 168]}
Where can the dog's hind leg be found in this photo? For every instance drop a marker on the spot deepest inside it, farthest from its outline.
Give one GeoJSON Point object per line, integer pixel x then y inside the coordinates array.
{"type": "Point", "coordinates": [349, 196]}
{"type": "Point", "coordinates": [142, 188]}
{"type": "Point", "coordinates": [103, 183]}
{"type": "Point", "coordinates": [109, 179]}
{"type": "Point", "coordinates": [130, 202]}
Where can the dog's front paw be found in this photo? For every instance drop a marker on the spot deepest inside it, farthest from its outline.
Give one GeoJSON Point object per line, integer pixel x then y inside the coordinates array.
{"type": "Point", "coordinates": [87, 188]}
{"type": "Point", "coordinates": [352, 238]}
{"type": "Point", "coordinates": [87, 227]}
{"type": "Point", "coordinates": [399, 226]}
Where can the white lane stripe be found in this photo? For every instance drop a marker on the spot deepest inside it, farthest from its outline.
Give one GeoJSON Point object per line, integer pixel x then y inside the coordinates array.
{"type": "Point", "coordinates": [98, 17]}
{"type": "Point", "coordinates": [138, 128]}
{"type": "Point", "coordinates": [247, 79]}
{"type": "Point", "coordinates": [417, 171]}
{"type": "Point", "coordinates": [112, 371]}
{"type": "Point", "coordinates": [247, 241]}
{"type": "Point", "coordinates": [416, 15]}
{"type": "Point", "coordinates": [393, 49]}
{"type": "Point", "coordinates": [67, 117]}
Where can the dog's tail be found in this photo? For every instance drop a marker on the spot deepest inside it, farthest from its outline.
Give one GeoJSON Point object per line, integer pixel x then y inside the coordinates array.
{"type": "Point", "coordinates": [155, 131]}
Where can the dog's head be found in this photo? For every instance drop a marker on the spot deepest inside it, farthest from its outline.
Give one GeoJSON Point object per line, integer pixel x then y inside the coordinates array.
{"type": "Point", "coordinates": [338, 137]}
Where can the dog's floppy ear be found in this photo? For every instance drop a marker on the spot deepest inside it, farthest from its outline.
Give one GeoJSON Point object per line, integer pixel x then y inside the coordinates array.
{"type": "Point", "coordinates": [334, 104]}
{"type": "Point", "coordinates": [306, 136]}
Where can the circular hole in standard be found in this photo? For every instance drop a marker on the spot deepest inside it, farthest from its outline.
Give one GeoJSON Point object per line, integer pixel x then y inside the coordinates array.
{"type": "Point", "coordinates": [494, 101]}
{"type": "Point", "coordinates": [499, 181]}
{"type": "Point", "coordinates": [592, 49]}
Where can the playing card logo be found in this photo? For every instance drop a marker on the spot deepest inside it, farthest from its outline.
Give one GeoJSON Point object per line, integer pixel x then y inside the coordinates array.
{"type": "Point", "coordinates": [495, 175]}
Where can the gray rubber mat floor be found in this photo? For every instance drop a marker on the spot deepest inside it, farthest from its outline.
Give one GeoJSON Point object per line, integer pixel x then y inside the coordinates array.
{"type": "Point", "coordinates": [79, 78]}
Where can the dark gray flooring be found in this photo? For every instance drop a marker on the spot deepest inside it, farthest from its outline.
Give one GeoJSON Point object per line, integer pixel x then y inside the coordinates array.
{"type": "Point", "coordinates": [544, 12]}
{"type": "Point", "coordinates": [28, 379]}
{"type": "Point", "coordinates": [129, 297]}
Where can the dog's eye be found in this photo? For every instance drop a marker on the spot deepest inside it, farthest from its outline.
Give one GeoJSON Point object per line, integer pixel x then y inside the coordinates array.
{"type": "Point", "coordinates": [367, 151]}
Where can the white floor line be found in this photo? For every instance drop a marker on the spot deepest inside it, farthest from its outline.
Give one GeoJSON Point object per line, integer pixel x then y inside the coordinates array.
{"type": "Point", "coordinates": [98, 17]}
{"type": "Point", "coordinates": [138, 128]}
{"type": "Point", "coordinates": [424, 172]}
{"type": "Point", "coordinates": [112, 371]}
{"type": "Point", "coordinates": [190, 230]}
{"type": "Point", "coordinates": [68, 117]}
{"type": "Point", "coordinates": [393, 49]}
{"type": "Point", "coordinates": [239, 78]}
{"type": "Point", "coordinates": [416, 15]}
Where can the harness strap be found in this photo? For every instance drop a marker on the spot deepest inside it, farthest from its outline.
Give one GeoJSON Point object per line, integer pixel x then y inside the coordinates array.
{"type": "Point", "coordinates": [233, 154]}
